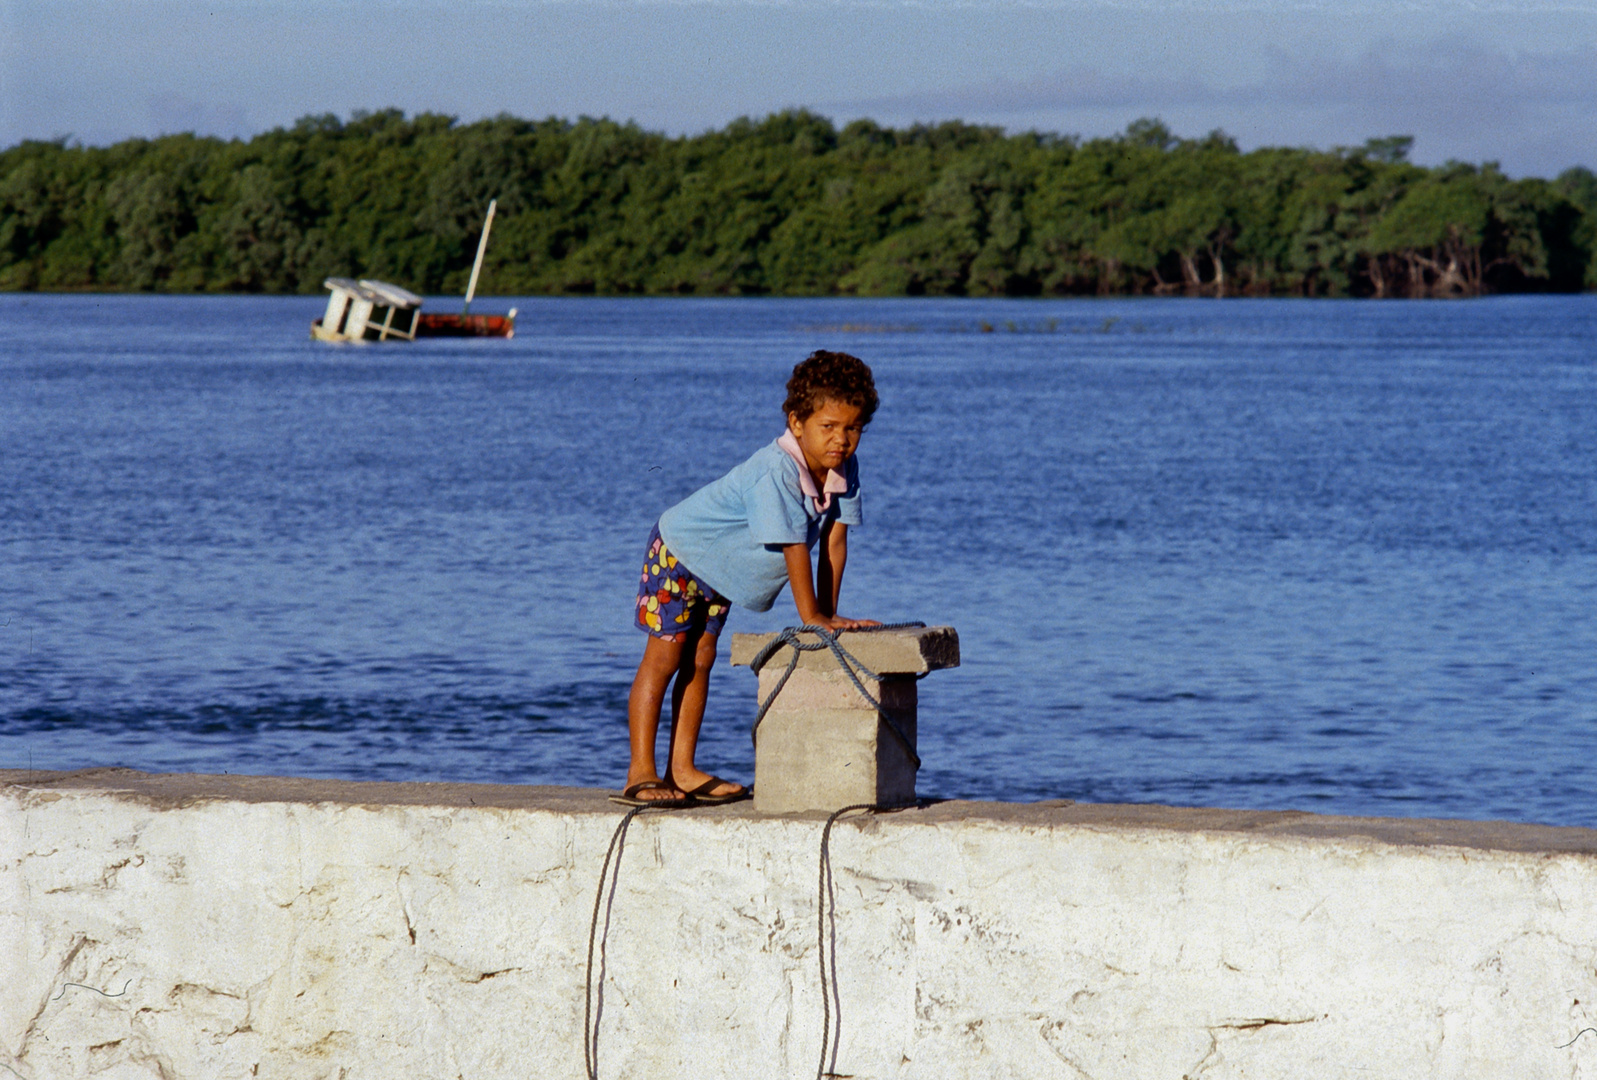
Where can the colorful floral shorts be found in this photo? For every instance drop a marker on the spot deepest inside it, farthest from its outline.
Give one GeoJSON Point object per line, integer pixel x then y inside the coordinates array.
{"type": "Point", "coordinates": [672, 602]}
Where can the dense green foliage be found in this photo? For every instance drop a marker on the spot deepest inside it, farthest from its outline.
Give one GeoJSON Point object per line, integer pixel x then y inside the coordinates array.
{"type": "Point", "coordinates": [786, 205]}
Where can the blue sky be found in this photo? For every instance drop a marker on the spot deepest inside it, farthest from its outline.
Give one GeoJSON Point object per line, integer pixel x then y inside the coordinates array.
{"type": "Point", "coordinates": [1511, 82]}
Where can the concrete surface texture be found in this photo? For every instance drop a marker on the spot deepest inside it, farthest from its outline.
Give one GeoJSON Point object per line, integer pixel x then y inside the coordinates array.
{"type": "Point", "coordinates": [822, 744]}
{"type": "Point", "coordinates": [221, 927]}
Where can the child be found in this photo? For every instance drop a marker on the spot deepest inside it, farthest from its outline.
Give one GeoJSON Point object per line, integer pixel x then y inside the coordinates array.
{"type": "Point", "coordinates": [739, 540]}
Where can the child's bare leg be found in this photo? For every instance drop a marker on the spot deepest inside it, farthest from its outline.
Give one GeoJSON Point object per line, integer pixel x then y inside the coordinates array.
{"type": "Point", "coordinates": [688, 696]}
{"type": "Point", "coordinates": [660, 662]}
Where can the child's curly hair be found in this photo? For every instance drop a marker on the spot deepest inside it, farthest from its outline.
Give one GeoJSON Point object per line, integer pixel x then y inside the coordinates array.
{"type": "Point", "coordinates": [831, 376]}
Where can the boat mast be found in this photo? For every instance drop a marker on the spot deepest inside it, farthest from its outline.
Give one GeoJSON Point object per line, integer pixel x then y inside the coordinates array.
{"type": "Point", "coordinates": [482, 246]}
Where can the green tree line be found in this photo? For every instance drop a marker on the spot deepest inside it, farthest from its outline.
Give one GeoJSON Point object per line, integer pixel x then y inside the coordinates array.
{"type": "Point", "coordinates": [785, 205]}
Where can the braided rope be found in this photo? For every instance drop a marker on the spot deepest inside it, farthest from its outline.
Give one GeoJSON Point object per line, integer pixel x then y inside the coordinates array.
{"type": "Point", "coordinates": [826, 918]}
{"type": "Point", "coordinates": [845, 660]}
{"type": "Point", "coordinates": [593, 1002]}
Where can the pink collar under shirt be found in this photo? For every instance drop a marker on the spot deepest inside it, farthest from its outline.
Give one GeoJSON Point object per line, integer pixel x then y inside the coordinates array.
{"type": "Point", "coordinates": [836, 483]}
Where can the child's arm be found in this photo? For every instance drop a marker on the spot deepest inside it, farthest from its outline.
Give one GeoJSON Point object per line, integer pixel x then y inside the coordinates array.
{"type": "Point", "coordinates": [812, 610]}
{"type": "Point", "coordinates": [829, 567]}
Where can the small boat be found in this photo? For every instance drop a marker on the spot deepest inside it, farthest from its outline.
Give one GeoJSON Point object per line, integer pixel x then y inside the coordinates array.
{"type": "Point", "coordinates": [467, 325]}
{"type": "Point", "coordinates": [368, 310]}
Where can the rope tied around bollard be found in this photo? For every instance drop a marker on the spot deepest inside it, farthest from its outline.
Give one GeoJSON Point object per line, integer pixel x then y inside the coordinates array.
{"type": "Point", "coordinates": [826, 915]}
{"type": "Point", "coordinates": [789, 638]}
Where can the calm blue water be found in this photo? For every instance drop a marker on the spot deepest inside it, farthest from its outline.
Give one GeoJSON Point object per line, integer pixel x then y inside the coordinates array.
{"type": "Point", "coordinates": [1332, 556]}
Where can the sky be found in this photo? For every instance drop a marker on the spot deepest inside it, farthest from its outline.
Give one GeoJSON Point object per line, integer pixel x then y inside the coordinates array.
{"type": "Point", "coordinates": [1512, 82]}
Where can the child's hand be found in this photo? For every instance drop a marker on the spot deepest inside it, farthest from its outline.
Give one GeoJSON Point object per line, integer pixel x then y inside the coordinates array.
{"type": "Point", "coordinates": [835, 623]}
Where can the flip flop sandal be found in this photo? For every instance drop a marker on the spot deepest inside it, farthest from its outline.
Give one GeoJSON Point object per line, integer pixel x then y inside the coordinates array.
{"type": "Point", "coordinates": [702, 796]}
{"type": "Point", "coordinates": [629, 797]}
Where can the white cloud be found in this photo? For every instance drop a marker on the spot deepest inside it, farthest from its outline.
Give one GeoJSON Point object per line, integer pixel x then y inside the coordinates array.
{"type": "Point", "coordinates": [1458, 97]}
{"type": "Point", "coordinates": [1446, 77]}
{"type": "Point", "coordinates": [1466, 79]}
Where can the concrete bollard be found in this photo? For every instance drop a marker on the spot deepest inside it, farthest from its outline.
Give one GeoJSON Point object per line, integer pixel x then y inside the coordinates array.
{"type": "Point", "coordinates": [822, 746]}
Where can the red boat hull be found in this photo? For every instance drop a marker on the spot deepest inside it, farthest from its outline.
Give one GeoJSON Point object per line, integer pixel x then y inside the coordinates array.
{"type": "Point", "coordinates": [465, 326]}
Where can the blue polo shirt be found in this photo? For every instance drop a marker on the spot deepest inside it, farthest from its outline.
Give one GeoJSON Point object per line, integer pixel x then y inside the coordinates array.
{"type": "Point", "coordinates": [730, 533]}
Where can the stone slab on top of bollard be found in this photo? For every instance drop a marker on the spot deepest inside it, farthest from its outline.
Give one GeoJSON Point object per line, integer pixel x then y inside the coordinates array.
{"type": "Point", "coordinates": [907, 651]}
{"type": "Point", "coordinates": [822, 745]}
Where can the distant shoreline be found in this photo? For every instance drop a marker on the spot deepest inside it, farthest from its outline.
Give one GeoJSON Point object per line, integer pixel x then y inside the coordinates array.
{"type": "Point", "coordinates": [789, 205]}
{"type": "Point", "coordinates": [437, 300]}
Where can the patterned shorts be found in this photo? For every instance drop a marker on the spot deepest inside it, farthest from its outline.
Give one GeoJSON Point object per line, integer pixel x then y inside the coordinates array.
{"type": "Point", "coordinates": [672, 602]}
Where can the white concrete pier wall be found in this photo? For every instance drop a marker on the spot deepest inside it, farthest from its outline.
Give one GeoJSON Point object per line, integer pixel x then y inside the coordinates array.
{"type": "Point", "coordinates": [214, 928]}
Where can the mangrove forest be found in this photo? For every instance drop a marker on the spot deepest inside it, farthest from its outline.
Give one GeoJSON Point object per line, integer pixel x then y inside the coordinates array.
{"type": "Point", "coordinates": [787, 205]}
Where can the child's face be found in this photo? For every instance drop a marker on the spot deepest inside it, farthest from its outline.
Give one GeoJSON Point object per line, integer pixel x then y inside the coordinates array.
{"type": "Point", "coordinates": [829, 435]}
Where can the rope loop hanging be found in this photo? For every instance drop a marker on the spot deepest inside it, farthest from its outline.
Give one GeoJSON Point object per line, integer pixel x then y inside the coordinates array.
{"type": "Point", "coordinates": [789, 638]}
{"type": "Point", "coordinates": [593, 1001]}
{"type": "Point", "coordinates": [826, 919]}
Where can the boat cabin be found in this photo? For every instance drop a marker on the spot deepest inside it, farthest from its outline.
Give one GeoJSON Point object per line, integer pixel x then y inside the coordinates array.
{"type": "Point", "coordinates": [367, 310]}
